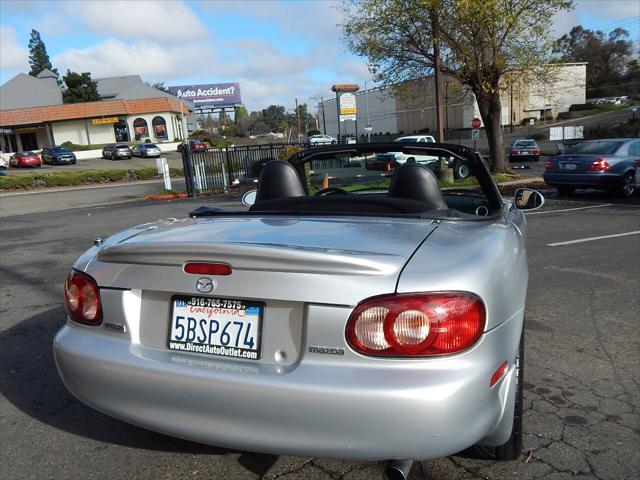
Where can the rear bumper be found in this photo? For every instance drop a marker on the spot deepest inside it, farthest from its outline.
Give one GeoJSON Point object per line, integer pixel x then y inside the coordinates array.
{"type": "Point", "coordinates": [348, 407]}
{"type": "Point", "coordinates": [522, 158]}
{"type": "Point", "coordinates": [583, 180]}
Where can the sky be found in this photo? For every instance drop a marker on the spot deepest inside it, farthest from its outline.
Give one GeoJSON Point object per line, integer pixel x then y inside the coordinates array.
{"type": "Point", "coordinates": [277, 50]}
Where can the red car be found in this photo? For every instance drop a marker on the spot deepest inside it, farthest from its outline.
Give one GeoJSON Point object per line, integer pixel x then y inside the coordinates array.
{"type": "Point", "coordinates": [25, 159]}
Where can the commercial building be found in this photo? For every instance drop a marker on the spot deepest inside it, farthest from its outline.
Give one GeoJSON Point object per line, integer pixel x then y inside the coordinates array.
{"type": "Point", "coordinates": [410, 108]}
{"type": "Point", "coordinates": [32, 113]}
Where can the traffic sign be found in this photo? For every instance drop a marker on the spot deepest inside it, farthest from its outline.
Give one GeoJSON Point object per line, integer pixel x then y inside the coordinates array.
{"type": "Point", "coordinates": [475, 134]}
{"type": "Point", "coordinates": [476, 122]}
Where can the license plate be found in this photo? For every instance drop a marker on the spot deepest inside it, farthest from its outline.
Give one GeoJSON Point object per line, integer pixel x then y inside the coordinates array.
{"type": "Point", "coordinates": [216, 326]}
{"type": "Point", "coordinates": [570, 166]}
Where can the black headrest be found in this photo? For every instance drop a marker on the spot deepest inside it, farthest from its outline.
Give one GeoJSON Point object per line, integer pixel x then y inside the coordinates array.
{"type": "Point", "coordinates": [417, 182]}
{"type": "Point", "coordinates": [278, 179]}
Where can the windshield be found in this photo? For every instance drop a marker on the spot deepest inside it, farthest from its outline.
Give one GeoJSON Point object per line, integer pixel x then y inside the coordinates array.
{"type": "Point", "coordinates": [122, 146]}
{"type": "Point", "coordinates": [149, 145]}
{"type": "Point", "coordinates": [525, 143]}
{"type": "Point", "coordinates": [60, 150]}
{"type": "Point", "coordinates": [435, 181]}
{"type": "Point", "coordinates": [596, 148]}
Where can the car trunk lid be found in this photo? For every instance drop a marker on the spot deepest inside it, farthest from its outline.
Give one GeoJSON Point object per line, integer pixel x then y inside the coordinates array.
{"type": "Point", "coordinates": [281, 265]}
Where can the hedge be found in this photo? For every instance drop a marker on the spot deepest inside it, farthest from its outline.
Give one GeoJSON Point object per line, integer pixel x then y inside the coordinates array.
{"type": "Point", "coordinates": [80, 177]}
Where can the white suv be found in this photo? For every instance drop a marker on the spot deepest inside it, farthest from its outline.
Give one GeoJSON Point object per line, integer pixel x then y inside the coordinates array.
{"type": "Point", "coordinates": [402, 158]}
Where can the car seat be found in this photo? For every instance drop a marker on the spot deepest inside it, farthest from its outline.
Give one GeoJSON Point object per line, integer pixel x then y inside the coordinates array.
{"type": "Point", "coordinates": [417, 182]}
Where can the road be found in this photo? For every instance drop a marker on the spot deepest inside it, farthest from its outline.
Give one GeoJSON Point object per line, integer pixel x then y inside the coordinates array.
{"type": "Point", "coordinates": [582, 382]}
{"type": "Point", "coordinates": [64, 198]}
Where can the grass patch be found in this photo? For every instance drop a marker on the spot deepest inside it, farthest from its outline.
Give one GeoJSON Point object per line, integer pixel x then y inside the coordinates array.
{"type": "Point", "coordinates": [80, 177]}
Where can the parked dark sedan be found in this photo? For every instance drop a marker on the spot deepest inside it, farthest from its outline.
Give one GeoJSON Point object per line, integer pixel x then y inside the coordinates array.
{"type": "Point", "coordinates": [146, 150]}
{"type": "Point", "coordinates": [116, 150]}
{"type": "Point", "coordinates": [58, 156]}
{"type": "Point", "coordinates": [25, 159]}
{"type": "Point", "coordinates": [607, 164]}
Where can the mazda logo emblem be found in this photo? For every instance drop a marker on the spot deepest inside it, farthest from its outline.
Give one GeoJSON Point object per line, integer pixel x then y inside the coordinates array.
{"type": "Point", "coordinates": [205, 285]}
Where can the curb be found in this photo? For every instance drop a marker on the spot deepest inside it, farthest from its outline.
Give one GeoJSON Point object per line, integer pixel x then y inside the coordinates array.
{"type": "Point", "coordinates": [166, 196]}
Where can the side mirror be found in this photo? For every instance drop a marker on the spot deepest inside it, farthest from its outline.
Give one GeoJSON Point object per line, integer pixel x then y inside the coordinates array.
{"type": "Point", "coordinates": [527, 199]}
{"type": "Point", "coordinates": [249, 198]}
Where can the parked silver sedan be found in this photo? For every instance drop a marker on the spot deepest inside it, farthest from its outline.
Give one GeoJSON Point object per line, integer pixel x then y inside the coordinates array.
{"type": "Point", "coordinates": [379, 318]}
{"type": "Point", "coordinates": [146, 150]}
{"type": "Point", "coordinates": [607, 164]}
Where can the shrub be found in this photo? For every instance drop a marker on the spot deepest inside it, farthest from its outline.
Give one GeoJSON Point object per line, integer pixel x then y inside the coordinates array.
{"type": "Point", "coordinates": [313, 131]}
{"type": "Point", "coordinates": [579, 107]}
{"type": "Point", "coordinates": [289, 150]}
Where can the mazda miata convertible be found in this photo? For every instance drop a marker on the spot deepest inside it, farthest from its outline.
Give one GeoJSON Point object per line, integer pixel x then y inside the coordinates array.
{"type": "Point", "coordinates": [378, 318]}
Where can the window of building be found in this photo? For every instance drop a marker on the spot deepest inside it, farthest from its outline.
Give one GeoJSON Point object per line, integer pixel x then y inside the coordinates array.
{"type": "Point", "coordinates": [140, 128]}
{"type": "Point", "coordinates": [121, 130]}
{"type": "Point", "coordinates": [159, 127]}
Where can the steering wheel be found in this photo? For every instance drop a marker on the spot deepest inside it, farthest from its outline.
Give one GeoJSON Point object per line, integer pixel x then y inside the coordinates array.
{"type": "Point", "coordinates": [331, 191]}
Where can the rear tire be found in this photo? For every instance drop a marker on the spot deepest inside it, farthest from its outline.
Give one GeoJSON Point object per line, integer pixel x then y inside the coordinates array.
{"type": "Point", "coordinates": [628, 187]}
{"type": "Point", "coordinates": [512, 448]}
{"type": "Point", "coordinates": [566, 191]}
{"type": "Point", "coordinates": [461, 170]}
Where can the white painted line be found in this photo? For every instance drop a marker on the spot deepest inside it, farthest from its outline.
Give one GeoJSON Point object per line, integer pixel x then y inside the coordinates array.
{"type": "Point", "coordinates": [569, 209]}
{"type": "Point", "coordinates": [570, 242]}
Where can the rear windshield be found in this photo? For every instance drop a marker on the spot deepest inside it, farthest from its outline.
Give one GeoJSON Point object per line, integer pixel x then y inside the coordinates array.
{"type": "Point", "coordinates": [60, 150]}
{"type": "Point", "coordinates": [599, 148]}
{"type": "Point", "coordinates": [526, 143]}
{"type": "Point", "coordinates": [149, 145]}
{"type": "Point", "coordinates": [122, 146]}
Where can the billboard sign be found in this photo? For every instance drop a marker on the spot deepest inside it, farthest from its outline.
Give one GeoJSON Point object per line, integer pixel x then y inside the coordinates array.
{"type": "Point", "coordinates": [210, 95]}
{"type": "Point", "coordinates": [348, 104]}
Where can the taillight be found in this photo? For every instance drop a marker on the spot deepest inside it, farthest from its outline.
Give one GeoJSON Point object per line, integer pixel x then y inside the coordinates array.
{"type": "Point", "coordinates": [548, 165]}
{"type": "Point", "coordinates": [514, 152]}
{"type": "Point", "coordinates": [202, 268]}
{"type": "Point", "coordinates": [82, 299]}
{"type": "Point", "coordinates": [599, 165]}
{"type": "Point", "coordinates": [535, 152]}
{"type": "Point", "coordinates": [417, 324]}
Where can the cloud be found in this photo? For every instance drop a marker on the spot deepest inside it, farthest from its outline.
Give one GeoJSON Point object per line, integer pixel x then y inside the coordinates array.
{"type": "Point", "coordinates": [148, 59]}
{"type": "Point", "coordinates": [13, 56]}
{"type": "Point", "coordinates": [158, 20]}
{"type": "Point", "coordinates": [257, 58]}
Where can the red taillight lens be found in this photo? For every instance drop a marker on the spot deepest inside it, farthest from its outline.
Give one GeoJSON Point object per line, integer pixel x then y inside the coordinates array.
{"type": "Point", "coordinates": [498, 374]}
{"type": "Point", "coordinates": [82, 299]}
{"type": "Point", "coordinates": [514, 152]}
{"type": "Point", "coordinates": [535, 152]}
{"type": "Point", "coordinates": [201, 268]}
{"type": "Point", "coordinates": [548, 165]}
{"type": "Point", "coordinates": [416, 325]}
{"type": "Point", "coordinates": [599, 165]}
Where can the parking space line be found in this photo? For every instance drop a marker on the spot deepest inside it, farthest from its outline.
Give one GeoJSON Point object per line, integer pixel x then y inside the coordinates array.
{"type": "Point", "coordinates": [590, 239]}
{"type": "Point", "coordinates": [569, 209]}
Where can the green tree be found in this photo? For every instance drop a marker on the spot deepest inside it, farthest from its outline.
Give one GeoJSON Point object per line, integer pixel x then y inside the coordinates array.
{"type": "Point", "coordinates": [607, 56]}
{"type": "Point", "coordinates": [38, 56]}
{"type": "Point", "coordinates": [79, 88]}
{"type": "Point", "coordinates": [479, 42]}
{"type": "Point", "coordinates": [158, 86]}
{"type": "Point", "coordinates": [275, 116]}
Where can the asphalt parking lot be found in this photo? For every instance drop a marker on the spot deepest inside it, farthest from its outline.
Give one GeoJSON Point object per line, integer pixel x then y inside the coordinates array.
{"type": "Point", "coordinates": [174, 159]}
{"type": "Point", "coordinates": [582, 381]}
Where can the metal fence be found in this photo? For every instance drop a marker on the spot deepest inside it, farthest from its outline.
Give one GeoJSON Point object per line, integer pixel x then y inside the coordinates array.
{"type": "Point", "coordinates": [217, 169]}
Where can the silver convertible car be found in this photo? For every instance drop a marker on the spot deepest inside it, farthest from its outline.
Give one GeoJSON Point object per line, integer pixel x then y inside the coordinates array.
{"type": "Point", "coordinates": [380, 318]}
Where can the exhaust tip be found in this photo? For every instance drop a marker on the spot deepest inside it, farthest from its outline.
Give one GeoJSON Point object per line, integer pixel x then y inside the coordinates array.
{"type": "Point", "coordinates": [397, 469]}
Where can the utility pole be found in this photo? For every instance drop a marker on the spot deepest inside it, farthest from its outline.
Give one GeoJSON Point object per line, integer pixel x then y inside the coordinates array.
{"type": "Point", "coordinates": [298, 119]}
{"type": "Point", "coordinates": [436, 64]}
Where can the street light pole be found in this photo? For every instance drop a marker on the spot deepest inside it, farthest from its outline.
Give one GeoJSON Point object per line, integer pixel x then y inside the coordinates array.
{"type": "Point", "coordinates": [366, 98]}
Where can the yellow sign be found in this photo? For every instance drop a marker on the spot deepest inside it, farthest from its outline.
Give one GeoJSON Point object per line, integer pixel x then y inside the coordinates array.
{"type": "Point", "coordinates": [348, 111]}
{"type": "Point", "coordinates": [101, 121]}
